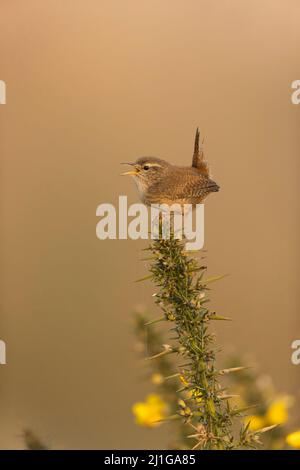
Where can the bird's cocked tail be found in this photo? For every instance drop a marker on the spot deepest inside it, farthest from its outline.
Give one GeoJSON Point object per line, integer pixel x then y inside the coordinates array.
{"type": "Point", "coordinates": [198, 156]}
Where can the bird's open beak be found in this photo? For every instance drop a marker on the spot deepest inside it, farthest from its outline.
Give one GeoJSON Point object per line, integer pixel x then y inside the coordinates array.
{"type": "Point", "coordinates": [130, 172]}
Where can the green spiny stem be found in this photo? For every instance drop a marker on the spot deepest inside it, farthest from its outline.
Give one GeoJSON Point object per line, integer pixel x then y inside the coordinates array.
{"type": "Point", "coordinates": [181, 296]}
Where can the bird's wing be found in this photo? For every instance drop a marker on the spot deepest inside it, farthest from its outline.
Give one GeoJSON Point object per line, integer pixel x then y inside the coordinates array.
{"type": "Point", "coordinates": [189, 184]}
{"type": "Point", "coordinates": [198, 157]}
{"type": "Point", "coordinates": [198, 185]}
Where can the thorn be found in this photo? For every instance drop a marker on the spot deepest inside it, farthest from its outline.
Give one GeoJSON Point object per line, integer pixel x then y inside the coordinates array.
{"type": "Point", "coordinates": [268, 428]}
{"type": "Point", "coordinates": [226, 397]}
{"type": "Point", "coordinates": [168, 350]}
{"type": "Point", "coordinates": [173, 376]}
{"type": "Point", "coordinates": [144, 278]}
{"type": "Point", "coordinates": [213, 279]}
{"type": "Point", "coordinates": [157, 320]}
{"type": "Point", "coordinates": [219, 317]}
{"type": "Point", "coordinates": [232, 369]}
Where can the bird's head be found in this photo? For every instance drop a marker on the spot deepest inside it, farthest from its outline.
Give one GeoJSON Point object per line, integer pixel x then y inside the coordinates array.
{"type": "Point", "coordinates": [148, 170]}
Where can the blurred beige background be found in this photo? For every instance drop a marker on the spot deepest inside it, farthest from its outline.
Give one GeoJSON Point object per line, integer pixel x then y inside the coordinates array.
{"type": "Point", "coordinates": [91, 83]}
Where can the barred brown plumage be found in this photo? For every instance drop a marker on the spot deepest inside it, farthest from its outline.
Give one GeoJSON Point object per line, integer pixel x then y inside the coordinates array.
{"type": "Point", "coordinates": [160, 182]}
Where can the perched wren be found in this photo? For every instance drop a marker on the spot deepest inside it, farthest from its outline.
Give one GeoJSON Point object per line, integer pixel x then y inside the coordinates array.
{"type": "Point", "coordinates": [159, 182]}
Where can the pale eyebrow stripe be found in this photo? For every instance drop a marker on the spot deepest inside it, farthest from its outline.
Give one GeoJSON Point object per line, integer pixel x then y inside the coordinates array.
{"type": "Point", "coordinates": [152, 164]}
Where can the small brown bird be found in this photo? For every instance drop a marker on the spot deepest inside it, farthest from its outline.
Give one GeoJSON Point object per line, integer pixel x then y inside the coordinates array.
{"type": "Point", "coordinates": [159, 182]}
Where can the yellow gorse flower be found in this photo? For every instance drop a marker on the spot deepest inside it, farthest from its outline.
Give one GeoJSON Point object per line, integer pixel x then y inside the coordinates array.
{"type": "Point", "coordinates": [194, 393]}
{"type": "Point", "coordinates": [150, 412]}
{"type": "Point", "coordinates": [183, 380]}
{"type": "Point", "coordinates": [184, 409]}
{"type": "Point", "coordinates": [256, 422]}
{"type": "Point", "coordinates": [277, 412]}
{"type": "Point", "coordinates": [157, 379]}
{"type": "Point", "coordinates": [293, 439]}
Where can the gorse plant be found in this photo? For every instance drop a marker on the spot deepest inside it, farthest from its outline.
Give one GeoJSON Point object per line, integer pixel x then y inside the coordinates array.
{"type": "Point", "coordinates": [202, 404]}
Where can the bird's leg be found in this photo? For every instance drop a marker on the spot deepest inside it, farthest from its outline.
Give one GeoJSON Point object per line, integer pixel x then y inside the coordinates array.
{"type": "Point", "coordinates": [167, 222]}
{"type": "Point", "coordinates": [160, 223]}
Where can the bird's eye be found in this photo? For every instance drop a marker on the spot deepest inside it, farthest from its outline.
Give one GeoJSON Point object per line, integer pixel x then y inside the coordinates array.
{"type": "Point", "coordinates": [146, 167]}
